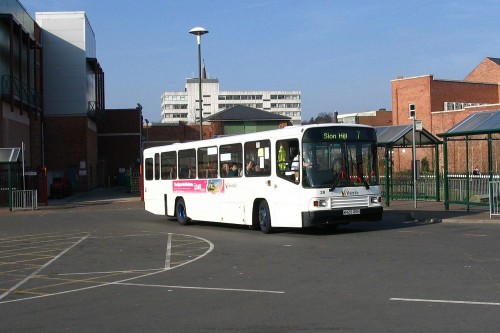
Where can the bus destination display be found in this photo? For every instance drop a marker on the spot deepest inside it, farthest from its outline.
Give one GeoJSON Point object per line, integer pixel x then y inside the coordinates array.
{"type": "Point", "coordinates": [339, 134]}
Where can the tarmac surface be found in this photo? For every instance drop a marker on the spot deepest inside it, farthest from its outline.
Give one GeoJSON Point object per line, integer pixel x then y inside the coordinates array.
{"type": "Point", "coordinates": [400, 210]}
{"type": "Point", "coordinates": [98, 262]}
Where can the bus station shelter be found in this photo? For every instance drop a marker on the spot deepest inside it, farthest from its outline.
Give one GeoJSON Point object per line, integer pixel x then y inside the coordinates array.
{"type": "Point", "coordinates": [9, 166]}
{"type": "Point", "coordinates": [481, 129]}
{"type": "Point", "coordinates": [401, 136]}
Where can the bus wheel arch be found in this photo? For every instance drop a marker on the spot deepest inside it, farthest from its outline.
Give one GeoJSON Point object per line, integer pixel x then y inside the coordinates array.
{"type": "Point", "coordinates": [181, 211]}
{"type": "Point", "coordinates": [255, 214]}
{"type": "Point", "coordinates": [262, 215]}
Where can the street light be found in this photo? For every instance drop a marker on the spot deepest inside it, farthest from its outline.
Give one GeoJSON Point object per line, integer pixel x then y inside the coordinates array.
{"type": "Point", "coordinates": [198, 31]}
{"type": "Point", "coordinates": [413, 116]}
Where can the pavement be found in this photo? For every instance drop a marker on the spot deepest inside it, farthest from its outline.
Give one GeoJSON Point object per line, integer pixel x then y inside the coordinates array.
{"type": "Point", "coordinates": [399, 210]}
{"type": "Point", "coordinates": [103, 196]}
{"type": "Point", "coordinates": [433, 211]}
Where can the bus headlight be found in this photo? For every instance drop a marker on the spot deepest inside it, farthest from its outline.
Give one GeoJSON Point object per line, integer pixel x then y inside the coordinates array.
{"type": "Point", "coordinates": [319, 203]}
{"type": "Point", "coordinates": [375, 199]}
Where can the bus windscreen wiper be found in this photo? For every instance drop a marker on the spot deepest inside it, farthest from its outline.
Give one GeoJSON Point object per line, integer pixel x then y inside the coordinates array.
{"type": "Point", "coordinates": [335, 181]}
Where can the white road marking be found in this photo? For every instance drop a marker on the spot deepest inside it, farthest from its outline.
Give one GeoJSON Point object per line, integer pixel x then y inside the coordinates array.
{"type": "Point", "coordinates": [169, 251]}
{"type": "Point", "coordinates": [442, 301]}
{"type": "Point", "coordinates": [202, 288]}
{"type": "Point", "coordinates": [110, 272]}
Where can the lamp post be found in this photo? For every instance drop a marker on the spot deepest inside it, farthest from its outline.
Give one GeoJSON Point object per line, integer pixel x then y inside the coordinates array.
{"type": "Point", "coordinates": [412, 113]}
{"type": "Point", "coordinates": [198, 31]}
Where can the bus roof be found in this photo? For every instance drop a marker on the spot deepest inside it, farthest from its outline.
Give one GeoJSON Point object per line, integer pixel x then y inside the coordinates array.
{"type": "Point", "coordinates": [274, 133]}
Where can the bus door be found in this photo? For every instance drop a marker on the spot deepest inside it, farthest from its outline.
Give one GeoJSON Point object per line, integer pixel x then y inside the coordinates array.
{"type": "Point", "coordinates": [286, 199]}
{"type": "Point", "coordinates": [231, 207]}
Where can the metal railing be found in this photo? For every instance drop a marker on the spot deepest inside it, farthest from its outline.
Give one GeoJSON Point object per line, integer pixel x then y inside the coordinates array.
{"type": "Point", "coordinates": [494, 196]}
{"type": "Point", "coordinates": [461, 189]}
{"type": "Point", "coordinates": [24, 200]}
{"type": "Point", "coordinates": [21, 91]}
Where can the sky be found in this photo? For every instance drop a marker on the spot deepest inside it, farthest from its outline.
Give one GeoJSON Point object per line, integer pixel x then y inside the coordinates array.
{"type": "Point", "coordinates": [341, 54]}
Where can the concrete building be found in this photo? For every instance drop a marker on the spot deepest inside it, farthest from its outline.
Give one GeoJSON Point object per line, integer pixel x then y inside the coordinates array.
{"type": "Point", "coordinates": [73, 97]}
{"type": "Point", "coordinates": [184, 106]}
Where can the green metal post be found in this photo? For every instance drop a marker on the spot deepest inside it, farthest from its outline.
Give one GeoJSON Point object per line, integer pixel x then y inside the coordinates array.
{"type": "Point", "coordinates": [490, 157]}
{"type": "Point", "coordinates": [388, 154]}
{"type": "Point", "coordinates": [9, 185]}
{"type": "Point", "coordinates": [467, 176]}
{"type": "Point", "coordinates": [445, 175]}
{"type": "Point", "coordinates": [436, 172]}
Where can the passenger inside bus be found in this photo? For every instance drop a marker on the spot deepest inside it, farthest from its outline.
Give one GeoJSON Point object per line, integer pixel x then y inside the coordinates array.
{"type": "Point", "coordinates": [224, 170]}
{"type": "Point", "coordinates": [249, 168]}
{"type": "Point", "coordinates": [233, 172]}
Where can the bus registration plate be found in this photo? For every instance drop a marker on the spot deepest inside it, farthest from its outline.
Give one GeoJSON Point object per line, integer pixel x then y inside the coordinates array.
{"type": "Point", "coordinates": [351, 212]}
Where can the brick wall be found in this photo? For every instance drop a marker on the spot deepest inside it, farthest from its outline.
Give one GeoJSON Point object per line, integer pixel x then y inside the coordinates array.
{"type": "Point", "coordinates": [413, 90]}
{"type": "Point", "coordinates": [487, 71]}
{"type": "Point", "coordinates": [71, 149]}
{"type": "Point", "coordinates": [119, 145]}
{"type": "Point", "coordinates": [36, 142]}
{"type": "Point", "coordinates": [383, 118]}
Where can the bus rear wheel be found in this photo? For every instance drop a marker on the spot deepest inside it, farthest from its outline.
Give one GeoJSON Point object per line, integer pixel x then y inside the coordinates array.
{"type": "Point", "coordinates": [264, 217]}
{"type": "Point", "coordinates": [180, 211]}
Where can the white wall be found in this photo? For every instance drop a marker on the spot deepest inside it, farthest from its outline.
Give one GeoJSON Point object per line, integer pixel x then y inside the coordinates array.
{"type": "Point", "coordinates": [68, 40]}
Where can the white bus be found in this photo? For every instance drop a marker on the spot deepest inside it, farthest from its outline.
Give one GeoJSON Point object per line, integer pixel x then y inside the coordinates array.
{"type": "Point", "coordinates": [297, 176]}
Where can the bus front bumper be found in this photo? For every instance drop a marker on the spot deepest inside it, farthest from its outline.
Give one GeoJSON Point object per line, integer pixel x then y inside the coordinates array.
{"type": "Point", "coordinates": [337, 216]}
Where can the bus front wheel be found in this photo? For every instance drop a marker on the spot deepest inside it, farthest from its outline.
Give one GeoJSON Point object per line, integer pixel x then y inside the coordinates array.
{"type": "Point", "coordinates": [180, 210]}
{"type": "Point", "coordinates": [264, 217]}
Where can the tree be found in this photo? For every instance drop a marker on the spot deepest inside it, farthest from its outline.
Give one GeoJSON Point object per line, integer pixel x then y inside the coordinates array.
{"type": "Point", "coordinates": [321, 118]}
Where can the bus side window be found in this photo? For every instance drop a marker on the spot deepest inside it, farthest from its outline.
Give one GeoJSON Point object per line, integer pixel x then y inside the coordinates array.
{"type": "Point", "coordinates": [157, 166]}
{"type": "Point", "coordinates": [187, 164]}
{"type": "Point", "coordinates": [149, 168]}
{"type": "Point", "coordinates": [228, 155]}
{"type": "Point", "coordinates": [207, 162]}
{"type": "Point", "coordinates": [288, 164]}
{"type": "Point", "coordinates": [260, 153]}
{"type": "Point", "coordinates": [168, 165]}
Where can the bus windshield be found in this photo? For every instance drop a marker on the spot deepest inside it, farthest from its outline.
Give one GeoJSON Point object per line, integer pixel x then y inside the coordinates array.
{"type": "Point", "coordinates": [339, 163]}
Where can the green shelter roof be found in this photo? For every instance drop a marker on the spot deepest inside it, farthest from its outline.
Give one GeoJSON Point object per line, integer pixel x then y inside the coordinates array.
{"type": "Point", "coordinates": [476, 123]}
{"type": "Point", "coordinates": [402, 136]}
{"type": "Point", "coordinates": [9, 155]}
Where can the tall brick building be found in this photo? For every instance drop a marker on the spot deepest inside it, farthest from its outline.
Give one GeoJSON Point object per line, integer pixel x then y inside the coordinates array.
{"type": "Point", "coordinates": [440, 104]}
